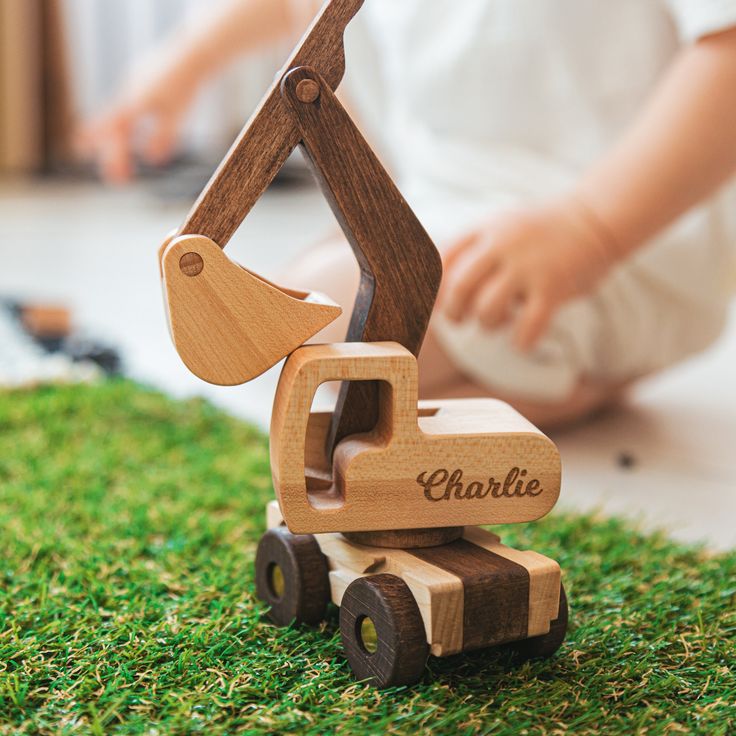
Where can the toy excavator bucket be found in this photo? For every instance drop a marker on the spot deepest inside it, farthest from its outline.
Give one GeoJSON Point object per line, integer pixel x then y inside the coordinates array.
{"type": "Point", "coordinates": [230, 325]}
{"type": "Point", "coordinates": [439, 464]}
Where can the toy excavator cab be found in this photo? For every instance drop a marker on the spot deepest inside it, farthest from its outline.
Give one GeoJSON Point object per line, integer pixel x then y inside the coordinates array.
{"type": "Point", "coordinates": [436, 465]}
{"type": "Point", "coordinates": [378, 500]}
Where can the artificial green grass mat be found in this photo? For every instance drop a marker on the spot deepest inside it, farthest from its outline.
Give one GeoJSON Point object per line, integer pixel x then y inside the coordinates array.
{"type": "Point", "coordinates": [128, 529]}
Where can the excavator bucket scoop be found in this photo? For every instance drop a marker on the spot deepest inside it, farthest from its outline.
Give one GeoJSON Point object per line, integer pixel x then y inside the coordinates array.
{"type": "Point", "coordinates": [228, 324]}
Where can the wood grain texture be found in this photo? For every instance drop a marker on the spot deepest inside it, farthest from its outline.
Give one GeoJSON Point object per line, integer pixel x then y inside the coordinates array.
{"type": "Point", "coordinates": [461, 463]}
{"type": "Point", "coordinates": [545, 645]}
{"type": "Point", "coordinates": [438, 594]}
{"type": "Point", "coordinates": [229, 325]}
{"type": "Point", "coordinates": [402, 650]}
{"type": "Point", "coordinates": [544, 578]}
{"type": "Point", "coordinates": [400, 267]}
{"type": "Point", "coordinates": [270, 135]}
{"type": "Point", "coordinates": [495, 592]}
{"type": "Point", "coordinates": [407, 538]}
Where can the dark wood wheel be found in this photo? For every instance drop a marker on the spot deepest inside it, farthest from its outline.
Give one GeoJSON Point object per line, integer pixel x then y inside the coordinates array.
{"type": "Point", "coordinates": [541, 647]}
{"type": "Point", "coordinates": [382, 631]}
{"type": "Point", "coordinates": [292, 577]}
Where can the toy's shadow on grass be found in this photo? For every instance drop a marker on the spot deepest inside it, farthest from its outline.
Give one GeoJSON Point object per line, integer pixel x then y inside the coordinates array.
{"type": "Point", "coordinates": [486, 668]}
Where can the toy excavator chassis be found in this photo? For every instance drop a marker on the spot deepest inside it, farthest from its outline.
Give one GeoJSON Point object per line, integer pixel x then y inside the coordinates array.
{"type": "Point", "coordinates": [379, 501]}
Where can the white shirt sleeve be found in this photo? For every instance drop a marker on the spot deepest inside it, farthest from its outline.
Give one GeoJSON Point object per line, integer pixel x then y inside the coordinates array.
{"type": "Point", "coordinates": [698, 18]}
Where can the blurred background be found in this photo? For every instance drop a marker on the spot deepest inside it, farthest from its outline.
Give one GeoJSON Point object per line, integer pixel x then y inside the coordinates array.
{"type": "Point", "coordinates": [86, 254]}
{"type": "Point", "coordinates": [62, 60]}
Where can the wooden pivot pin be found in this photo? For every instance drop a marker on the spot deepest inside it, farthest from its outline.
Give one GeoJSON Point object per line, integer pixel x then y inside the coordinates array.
{"type": "Point", "coordinates": [307, 91]}
{"type": "Point", "coordinates": [191, 264]}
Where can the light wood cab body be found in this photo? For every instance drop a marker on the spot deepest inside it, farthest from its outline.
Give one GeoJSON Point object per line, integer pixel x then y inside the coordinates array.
{"type": "Point", "coordinates": [434, 464]}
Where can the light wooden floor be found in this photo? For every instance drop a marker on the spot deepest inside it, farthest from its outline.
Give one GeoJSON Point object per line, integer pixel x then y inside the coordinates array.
{"type": "Point", "coordinates": [95, 249]}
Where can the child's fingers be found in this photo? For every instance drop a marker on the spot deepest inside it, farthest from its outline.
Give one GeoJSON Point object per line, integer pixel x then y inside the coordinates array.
{"type": "Point", "coordinates": [464, 279]}
{"type": "Point", "coordinates": [115, 164]}
{"type": "Point", "coordinates": [114, 152]}
{"type": "Point", "coordinates": [493, 301]}
{"type": "Point", "coordinates": [457, 248]}
{"type": "Point", "coordinates": [160, 144]}
{"type": "Point", "coordinates": [532, 322]}
{"type": "Point", "coordinates": [450, 259]}
{"type": "Point", "coordinates": [87, 139]}
{"type": "Point", "coordinates": [107, 140]}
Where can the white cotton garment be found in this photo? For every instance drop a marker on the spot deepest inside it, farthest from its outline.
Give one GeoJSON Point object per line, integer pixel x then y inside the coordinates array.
{"type": "Point", "coordinates": [477, 105]}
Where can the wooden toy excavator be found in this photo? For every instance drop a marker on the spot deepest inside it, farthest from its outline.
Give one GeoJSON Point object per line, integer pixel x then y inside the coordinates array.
{"type": "Point", "coordinates": [379, 501]}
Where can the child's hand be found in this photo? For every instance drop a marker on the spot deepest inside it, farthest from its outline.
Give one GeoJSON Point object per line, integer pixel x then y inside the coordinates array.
{"type": "Point", "coordinates": [147, 117]}
{"type": "Point", "coordinates": [145, 120]}
{"type": "Point", "coordinates": [524, 264]}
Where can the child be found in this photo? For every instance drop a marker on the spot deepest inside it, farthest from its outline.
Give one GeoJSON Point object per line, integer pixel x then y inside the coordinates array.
{"type": "Point", "coordinates": [567, 156]}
